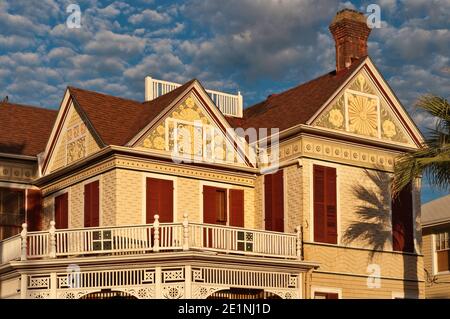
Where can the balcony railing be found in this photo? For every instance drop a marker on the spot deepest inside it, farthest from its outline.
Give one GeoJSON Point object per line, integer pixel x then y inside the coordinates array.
{"type": "Point", "coordinates": [228, 104]}
{"type": "Point", "coordinates": [156, 237]}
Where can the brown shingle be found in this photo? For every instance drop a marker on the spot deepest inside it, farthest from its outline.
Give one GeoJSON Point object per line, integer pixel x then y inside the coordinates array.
{"type": "Point", "coordinates": [24, 130]}
{"type": "Point", "coordinates": [118, 120]}
{"type": "Point", "coordinates": [297, 105]}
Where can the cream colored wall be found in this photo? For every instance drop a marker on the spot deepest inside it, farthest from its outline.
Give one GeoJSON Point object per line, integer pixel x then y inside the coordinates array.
{"type": "Point", "coordinates": [58, 159]}
{"type": "Point", "coordinates": [350, 204]}
{"type": "Point", "coordinates": [129, 197]}
{"type": "Point", "coordinates": [10, 288]}
{"type": "Point", "coordinates": [441, 287]}
{"type": "Point", "coordinates": [355, 287]}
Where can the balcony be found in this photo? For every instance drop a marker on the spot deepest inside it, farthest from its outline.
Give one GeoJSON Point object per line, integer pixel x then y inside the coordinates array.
{"type": "Point", "coordinates": [228, 104]}
{"type": "Point", "coordinates": [149, 239]}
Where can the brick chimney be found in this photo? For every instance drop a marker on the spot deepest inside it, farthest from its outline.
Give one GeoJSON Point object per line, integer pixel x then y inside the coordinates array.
{"type": "Point", "coordinates": [350, 32]}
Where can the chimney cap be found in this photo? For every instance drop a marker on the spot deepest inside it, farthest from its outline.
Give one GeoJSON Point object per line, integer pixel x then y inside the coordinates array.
{"type": "Point", "coordinates": [349, 14]}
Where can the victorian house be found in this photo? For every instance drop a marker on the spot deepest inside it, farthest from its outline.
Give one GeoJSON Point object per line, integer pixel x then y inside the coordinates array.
{"type": "Point", "coordinates": [189, 195]}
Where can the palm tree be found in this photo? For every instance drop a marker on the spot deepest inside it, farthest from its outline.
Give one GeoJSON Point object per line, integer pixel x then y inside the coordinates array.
{"type": "Point", "coordinates": [433, 158]}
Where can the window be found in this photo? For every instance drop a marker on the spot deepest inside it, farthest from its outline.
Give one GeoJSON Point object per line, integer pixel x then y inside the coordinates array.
{"type": "Point", "coordinates": [325, 212]}
{"type": "Point", "coordinates": [442, 251]}
{"type": "Point", "coordinates": [326, 295]}
{"type": "Point", "coordinates": [12, 211]}
{"type": "Point", "coordinates": [196, 140]}
{"type": "Point", "coordinates": [223, 206]}
{"type": "Point", "coordinates": [402, 221]}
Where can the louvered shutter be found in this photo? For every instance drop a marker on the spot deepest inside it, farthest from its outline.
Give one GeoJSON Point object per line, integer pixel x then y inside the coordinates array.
{"type": "Point", "coordinates": [236, 207]}
{"type": "Point", "coordinates": [91, 204]}
{"type": "Point", "coordinates": [34, 207]}
{"type": "Point", "coordinates": [61, 211]}
{"type": "Point", "coordinates": [402, 221]}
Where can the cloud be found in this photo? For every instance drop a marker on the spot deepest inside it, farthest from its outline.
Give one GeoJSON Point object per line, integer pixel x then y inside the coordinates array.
{"type": "Point", "coordinates": [107, 43]}
{"type": "Point", "coordinates": [149, 16]}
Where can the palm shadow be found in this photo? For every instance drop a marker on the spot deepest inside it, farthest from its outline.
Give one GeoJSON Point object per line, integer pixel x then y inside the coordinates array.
{"type": "Point", "coordinates": [373, 224]}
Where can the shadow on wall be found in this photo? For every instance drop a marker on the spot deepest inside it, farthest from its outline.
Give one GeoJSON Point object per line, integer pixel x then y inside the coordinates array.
{"type": "Point", "coordinates": [374, 226]}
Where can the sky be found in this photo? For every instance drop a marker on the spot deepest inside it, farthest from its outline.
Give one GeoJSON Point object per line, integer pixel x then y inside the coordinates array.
{"type": "Point", "coordinates": [258, 47]}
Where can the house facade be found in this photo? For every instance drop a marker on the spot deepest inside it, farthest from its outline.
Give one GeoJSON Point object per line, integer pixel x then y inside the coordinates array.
{"type": "Point", "coordinates": [188, 195]}
{"type": "Point", "coordinates": [436, 247]}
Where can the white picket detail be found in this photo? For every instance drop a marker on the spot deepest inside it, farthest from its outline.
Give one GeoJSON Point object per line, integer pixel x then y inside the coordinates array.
{"type": "Point", "coordinates": [242, 241]}
{"type": "Point", "coordinates": [228, 104]}
{"type": "Point", "coordinates": [170, 236]}
{"type": "Point", "coordinates": [38, 244]}
{"type": "Point", "coordinates": [10, 249]}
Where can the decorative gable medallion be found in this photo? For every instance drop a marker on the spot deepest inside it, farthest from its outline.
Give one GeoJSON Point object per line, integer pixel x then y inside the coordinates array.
{"type": "Point", "coordinates": [360, 110]}
{"type": "Point", "coordinates": [190, 133]}
{"type": "Point", "coordinates": [76, 142]}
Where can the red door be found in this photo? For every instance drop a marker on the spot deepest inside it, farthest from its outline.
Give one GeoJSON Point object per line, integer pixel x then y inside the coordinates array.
{"type": "Point", "coordinates": [274, 201]}
{"type": "Point", "coordinates": [92, 204]}
{"type": "Point", "coordinates": [62, 211]}
{"type": "Point", "coordinates": [159, 200]}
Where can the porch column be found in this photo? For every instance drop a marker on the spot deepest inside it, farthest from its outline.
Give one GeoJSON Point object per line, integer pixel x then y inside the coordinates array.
{"type": "Point", "coordinates": [23, 286]}
{"type": "Point", "coordinates": [188, 281]}
{"type": "Point", "coordinates": [53, 285]}
{"type": "Point", "coordinates": [158, 282]}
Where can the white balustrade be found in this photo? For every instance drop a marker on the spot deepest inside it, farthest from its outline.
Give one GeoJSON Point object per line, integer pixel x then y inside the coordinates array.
{"type": "Point", "coordinates": [156, 237]}
{"type": "Point", "coordinates": [228, 104]}
{"type": "Point", "coordinates": [242, 241]}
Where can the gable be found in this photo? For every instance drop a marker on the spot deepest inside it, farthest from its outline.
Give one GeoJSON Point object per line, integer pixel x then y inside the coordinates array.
{"type": "Point", "coordinates": [361, 109]}
{"type": "Point", "coordinates": [74, 141]}
{"type": "Point", "coordinates": [189, 131]}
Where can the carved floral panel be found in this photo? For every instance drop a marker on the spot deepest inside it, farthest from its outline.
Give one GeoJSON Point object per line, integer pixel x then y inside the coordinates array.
{"type": "Point", "coordinates": [188, 131]}
{"type": "Point", "coordinates": [359, 110]}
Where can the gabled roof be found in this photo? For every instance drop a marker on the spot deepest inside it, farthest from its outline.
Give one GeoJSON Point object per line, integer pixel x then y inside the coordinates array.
{"type": "Point", "coordinates": [24, 130]}
{"type": "Point", "coordinates": [436, 211]}
{"type": "Point", "coordinates": [297, 105]}
{"type": "Point", "coordinates": [117, 120]}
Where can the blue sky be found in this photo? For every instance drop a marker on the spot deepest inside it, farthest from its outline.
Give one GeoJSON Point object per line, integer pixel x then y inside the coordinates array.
{"type": "Point", "coordinates": [256, 46]}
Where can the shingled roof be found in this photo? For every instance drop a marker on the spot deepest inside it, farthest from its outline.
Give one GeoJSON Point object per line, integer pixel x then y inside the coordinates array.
{"type": "Point", "coordinates": [436, 211]}
{"type": "Point", "coordinates": [24, 130]}
{"type": "Point", "coordinates": [118, 120]}
{"type": "Point", "coordinates": [297, 105]}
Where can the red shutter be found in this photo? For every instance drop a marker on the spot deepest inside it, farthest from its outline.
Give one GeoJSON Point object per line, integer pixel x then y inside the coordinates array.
{"type": "Point", "coordinates": [278, 202]}
{"type": "Point", "coordinates": [209, 205]}
{"type": "Point", "coordinates": [274, 201]}
{"type": "Point", "coordinates": [331, 211]}
{"type": "Point", "coordinates": [319, 203]}
{"type": "Point", "coordinates": [268, 202]}
{"type": "Point", "coordinates": [237, 207]}
{"type": "Point", "coordinates": [92, 204]}
{"type": "Point", "coordinates": [34, 206]}
{"type": "Point", "coordinates": [159, 200]}
{"type": "Point", "coordinates": [325, 211]}
{"type": "Point", "coordinates": [402, 221]}
{"type": "Point", "coordinates": [62, 211]}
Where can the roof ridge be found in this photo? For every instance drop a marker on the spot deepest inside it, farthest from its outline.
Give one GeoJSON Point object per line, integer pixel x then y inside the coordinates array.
{"type": "Point", "coordinates": [28, 106]}
{"type": "Point", "coordinates": [103, 94]}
